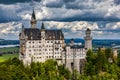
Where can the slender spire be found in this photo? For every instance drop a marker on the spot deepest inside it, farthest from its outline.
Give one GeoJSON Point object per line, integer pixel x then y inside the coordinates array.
{"type": "Point", "coordinates": [22, 27]}
{"type": "Point", "coordinates": [33, 20]}
{"type": "Point", "coordinates": [72, 42]}
{"type": "Point", "coordinates": [42, 26]}
{"type": "Point", "coordinates": [22, 35]}
{"type": "Point", "coordinates": [33, 15]}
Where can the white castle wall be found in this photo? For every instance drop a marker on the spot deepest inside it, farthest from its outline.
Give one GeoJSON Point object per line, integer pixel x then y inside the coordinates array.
{"type": "Point", "coordinates": [73, 56]}
{"type": "Point", "coordinates": [40, 52]}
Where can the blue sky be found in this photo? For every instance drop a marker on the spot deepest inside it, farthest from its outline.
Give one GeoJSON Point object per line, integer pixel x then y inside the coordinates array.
{"type": "Point", "coordinates": [73, 16]}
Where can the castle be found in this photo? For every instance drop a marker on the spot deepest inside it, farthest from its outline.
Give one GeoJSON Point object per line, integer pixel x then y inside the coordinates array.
{"type": "Point", "coordinates": [39, 45]}
{"type": "Point", "coordinates": [74, 55]}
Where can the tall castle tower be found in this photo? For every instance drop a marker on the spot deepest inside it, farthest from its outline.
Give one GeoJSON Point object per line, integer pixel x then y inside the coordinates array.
{"type": "Point", "coordinates": [88, 39]}
{"type": "Point", "coordinates": [22, 38]}
{"type": "Point", "coordinates": [33, 20]}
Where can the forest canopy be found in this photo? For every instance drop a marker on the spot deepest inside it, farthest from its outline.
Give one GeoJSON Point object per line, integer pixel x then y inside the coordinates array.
{"type": "Point", "coordinates": [99, 66]}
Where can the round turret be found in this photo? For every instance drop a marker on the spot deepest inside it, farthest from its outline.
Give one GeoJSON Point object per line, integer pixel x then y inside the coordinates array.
{"type": "Point", "coordinates": [88, 39]}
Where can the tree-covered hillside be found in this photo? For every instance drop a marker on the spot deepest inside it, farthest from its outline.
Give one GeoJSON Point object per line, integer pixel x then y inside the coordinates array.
{"type": "Point", "coordinates": [102, 65]}
{"type": "Point", "coordinates": [13, 69]}
{"type": "Point", "coordinates": [9, 42]}
{"type": "Point", "coordinates": [99, 66]}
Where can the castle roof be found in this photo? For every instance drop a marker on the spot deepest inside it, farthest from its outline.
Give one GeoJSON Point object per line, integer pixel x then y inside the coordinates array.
{"type": "Point", "coordinates": [32, 34]}
{"type": "Point", "coordinates": [35, 34]}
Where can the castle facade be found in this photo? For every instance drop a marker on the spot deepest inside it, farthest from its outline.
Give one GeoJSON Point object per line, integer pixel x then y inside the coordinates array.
{"type": "Point", "coordinates": [39, 45]}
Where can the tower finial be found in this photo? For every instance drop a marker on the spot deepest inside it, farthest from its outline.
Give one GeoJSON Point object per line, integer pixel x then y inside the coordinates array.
{"type": "Point", "coordinates": [42, 26]}
{"type": "Point", "coordinates": [33, 14]}
{"type": "Point", "coordinates": [22, 27]}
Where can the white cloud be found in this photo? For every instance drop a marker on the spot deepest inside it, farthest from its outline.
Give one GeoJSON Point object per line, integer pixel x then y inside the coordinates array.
{"type": "Point", "coordinates": [62, 10]}
{"type": "Point", "coordinates": [78, 29]}
{"type": "Point", "coordinates": [10, 30]}
{"type": "Point", "coordinates": [70, 29]}
{"type": "Point", "coordinates": [26, 16]}
{"type": "Point", "coordinates": [113, 26]}
{"type": "Point", "coordinates": [113, 11]}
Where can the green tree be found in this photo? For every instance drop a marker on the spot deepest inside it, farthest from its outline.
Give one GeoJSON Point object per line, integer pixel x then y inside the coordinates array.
{"type": "Point", "coordinates": [64, 72]}
{"type": "Point", "coordinates": [89, 55]}
{"type": "Point", "coordinates": [100, 61]}
{"type": "Point", "coordinates": [89, 69]}
{"type": "Point", "coordinates": [108, 53]}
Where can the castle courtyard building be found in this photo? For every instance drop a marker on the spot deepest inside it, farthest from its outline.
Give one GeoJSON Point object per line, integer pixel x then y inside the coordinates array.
{"type": "Point", "coordinates": [74, 57]}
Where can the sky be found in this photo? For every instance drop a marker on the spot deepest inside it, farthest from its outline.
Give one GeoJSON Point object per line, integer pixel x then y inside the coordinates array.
{"type": "Point", "coordinates": [72, 16]}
